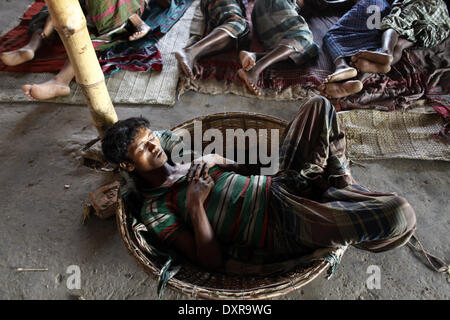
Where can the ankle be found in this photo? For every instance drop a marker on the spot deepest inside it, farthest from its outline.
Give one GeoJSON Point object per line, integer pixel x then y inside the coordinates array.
{"type": "Point", "coordinates": [136, 20]}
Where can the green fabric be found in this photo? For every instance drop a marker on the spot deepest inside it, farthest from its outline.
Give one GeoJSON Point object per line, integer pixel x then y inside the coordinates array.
{"type": "Point", "coordinates": [165, 214]}
{"type": "Point", "coordinates": [108, 15]}
{"type": "Point", "coordinates": [424, 22]}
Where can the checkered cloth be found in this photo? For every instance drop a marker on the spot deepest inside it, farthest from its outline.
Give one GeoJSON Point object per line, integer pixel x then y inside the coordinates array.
{"type": "Point", "coordinates": [228, 15]}
{"type": "Point", "coordinates": [424, 22]}
{"type": "Point", "coordinates": [355, 30]}
{"type": "Point", "coordinates": [311, 209]}
{"type": "Point", "coordinates": [278, 22]}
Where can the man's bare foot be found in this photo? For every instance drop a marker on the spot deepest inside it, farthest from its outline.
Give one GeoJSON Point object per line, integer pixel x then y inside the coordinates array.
{"type": "Point", "coordinates": [250, 80]}
{"type": "Point", "coordinates": [141, 28]}
{"type": "Point", "coordinates": [342, 74]}
{"type": "Point", "coordinates": [16, 57]}
{"type": "Point", "coordinates": [371, 67]}
{"type": "Point", "coordinates": [186, 62]}
{"type": "Point", "coordinates": [373, 56]}
{"type": "Point", "coordinates": [247, 59]}
{"type": "Point", "coordinates": [46, 90]}
{"type": "Point", "coordinates": [340, 89]}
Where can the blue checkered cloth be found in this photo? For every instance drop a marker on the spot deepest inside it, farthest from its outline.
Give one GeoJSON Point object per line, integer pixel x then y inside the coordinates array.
{"type": "Point", "coordinates": [354, 31]}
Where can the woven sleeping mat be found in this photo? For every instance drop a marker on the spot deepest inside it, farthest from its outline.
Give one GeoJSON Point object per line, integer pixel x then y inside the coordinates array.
{"type": "Point", "coordinates": [373, 134]}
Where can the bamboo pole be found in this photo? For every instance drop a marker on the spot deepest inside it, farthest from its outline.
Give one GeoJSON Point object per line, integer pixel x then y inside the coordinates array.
{"type": "Point", "coordinates": [70, 23]}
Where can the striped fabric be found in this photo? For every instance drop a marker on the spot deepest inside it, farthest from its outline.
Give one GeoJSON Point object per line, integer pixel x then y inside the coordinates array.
{"type": "Point", "coordinates": [310, 212]}
{"type": "Point", "coordinates": [236, 209]}
{"type": "Point", "coordinates": [353, 33]}
{"type": "Point", "coordinates": [278, 22]}
{"type": "Point", "coordinates": [304, 207]}
{"type": "Point", "coordinates": [228, 15]}
{"type": "Point", "coordinates": [108, 15]}
{"type": "Point", "coordinates": [424, 22]}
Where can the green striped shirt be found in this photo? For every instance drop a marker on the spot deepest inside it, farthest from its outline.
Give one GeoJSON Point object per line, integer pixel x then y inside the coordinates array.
{"type": "Point", "coordinates": [236, 208]}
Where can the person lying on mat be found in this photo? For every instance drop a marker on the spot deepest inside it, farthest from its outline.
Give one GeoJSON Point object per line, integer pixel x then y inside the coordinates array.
{"type": "Point", "coordinates": [283, 32]}
{"type": "Point", "coordinates": [374, 49]}
{"type": "Point", "coordinates": [419, 23]}
{"type": "Point", "coordinates": [103, 18]}
{"type": "Point", "coordinates": [352, 33]}
{"type": "Point", "coordinates": [226, 28]}
{"type": "Point", "coordinates": [311, 202]}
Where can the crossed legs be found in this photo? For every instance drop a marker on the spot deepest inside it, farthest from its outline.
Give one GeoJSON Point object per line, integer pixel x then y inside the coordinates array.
{"type": "Point", "coordinates": [252, 66]}
{"type": "Point", "coordinates": [254, 63]}
{"type": "Point", "coordinates": [216, 41]}
{"type": "Point", "coordinates": [339, 83]}
{"type": "Point", "coordinates": [392, 46]}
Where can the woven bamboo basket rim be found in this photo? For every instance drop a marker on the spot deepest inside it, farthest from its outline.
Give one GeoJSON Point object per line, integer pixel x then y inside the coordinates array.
{"type": "Point", "coordinates": [197, 285]}
{"type": "Point", "coordinates": [229, 116]}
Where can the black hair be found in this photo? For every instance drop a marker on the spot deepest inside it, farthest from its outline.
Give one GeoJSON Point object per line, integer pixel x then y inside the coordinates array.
{"type": "Point", "coordinates": [119, 136]}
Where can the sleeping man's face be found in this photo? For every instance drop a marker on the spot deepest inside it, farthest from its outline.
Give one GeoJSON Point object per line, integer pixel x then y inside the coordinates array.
{"type": "Point", "coordinates": [145, 152]}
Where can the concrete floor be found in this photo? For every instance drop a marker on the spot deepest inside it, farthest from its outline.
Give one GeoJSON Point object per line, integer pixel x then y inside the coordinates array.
{"type": "Point", "coordinates": [42, 228]}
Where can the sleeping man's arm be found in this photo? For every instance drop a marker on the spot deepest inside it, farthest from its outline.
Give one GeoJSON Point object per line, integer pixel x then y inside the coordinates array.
{"type": "Point", "coordinates": [200, 246]}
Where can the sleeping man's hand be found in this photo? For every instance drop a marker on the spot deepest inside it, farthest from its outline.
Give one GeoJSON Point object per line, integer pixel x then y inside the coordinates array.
{"type": "Point", "coordinates": [207, 250]}
{"type": "Point", "coordinates": [198, 190]}
{"type": "Point", "coordinates": [200, 167]}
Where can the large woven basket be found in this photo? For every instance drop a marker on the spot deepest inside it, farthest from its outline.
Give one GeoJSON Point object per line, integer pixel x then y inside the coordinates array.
{"type": "Point", "coordinates": [196, 282]}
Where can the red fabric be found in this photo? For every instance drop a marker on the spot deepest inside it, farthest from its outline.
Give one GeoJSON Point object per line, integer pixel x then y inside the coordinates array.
{"type": "Point", "coordinates": [47, 59]}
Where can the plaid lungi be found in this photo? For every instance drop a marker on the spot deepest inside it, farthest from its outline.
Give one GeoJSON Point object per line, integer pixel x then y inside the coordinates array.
{"type": "Point", "coordinates": [228, 15]}
{"type": "Point", "coordinates": [357, 29]}
{"type": "Point", "coordinates": [424, 22]}
{"type": "Point", "coordinates": [310, 210]}
{"type": "Point", "coordinates": [278, 22]}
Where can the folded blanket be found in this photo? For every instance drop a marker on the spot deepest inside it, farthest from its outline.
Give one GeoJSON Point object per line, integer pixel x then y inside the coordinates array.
{"type": "Point", "coordinates": [140, 55]}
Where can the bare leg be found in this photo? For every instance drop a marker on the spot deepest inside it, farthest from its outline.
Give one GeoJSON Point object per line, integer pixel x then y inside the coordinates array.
{"type": "Point", "coordinates": [364, 65]}
{"type": "Point", "coordinates": [141, 27]}
{"type": "Point", "coordinates": [24, 54]}
{"type": "Point", "coordinates": [280, 53]}
{"type": "Point", "coordinates": [389, 40]}
{"type": "Point", "coordinates": [342, 72]}
{"type": "Point", "coordinates": [385, 56]}
{"type": "Point", "coordinates": [218, 40]}
{"type": "Point", "coordinates": [402, 44]}
{"type": "Point", "coordinates": [56, 87]}
{"type": "Point", "coordinates": [48, 29]}
{"type": "Point", "coordinates": [340, 89]}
